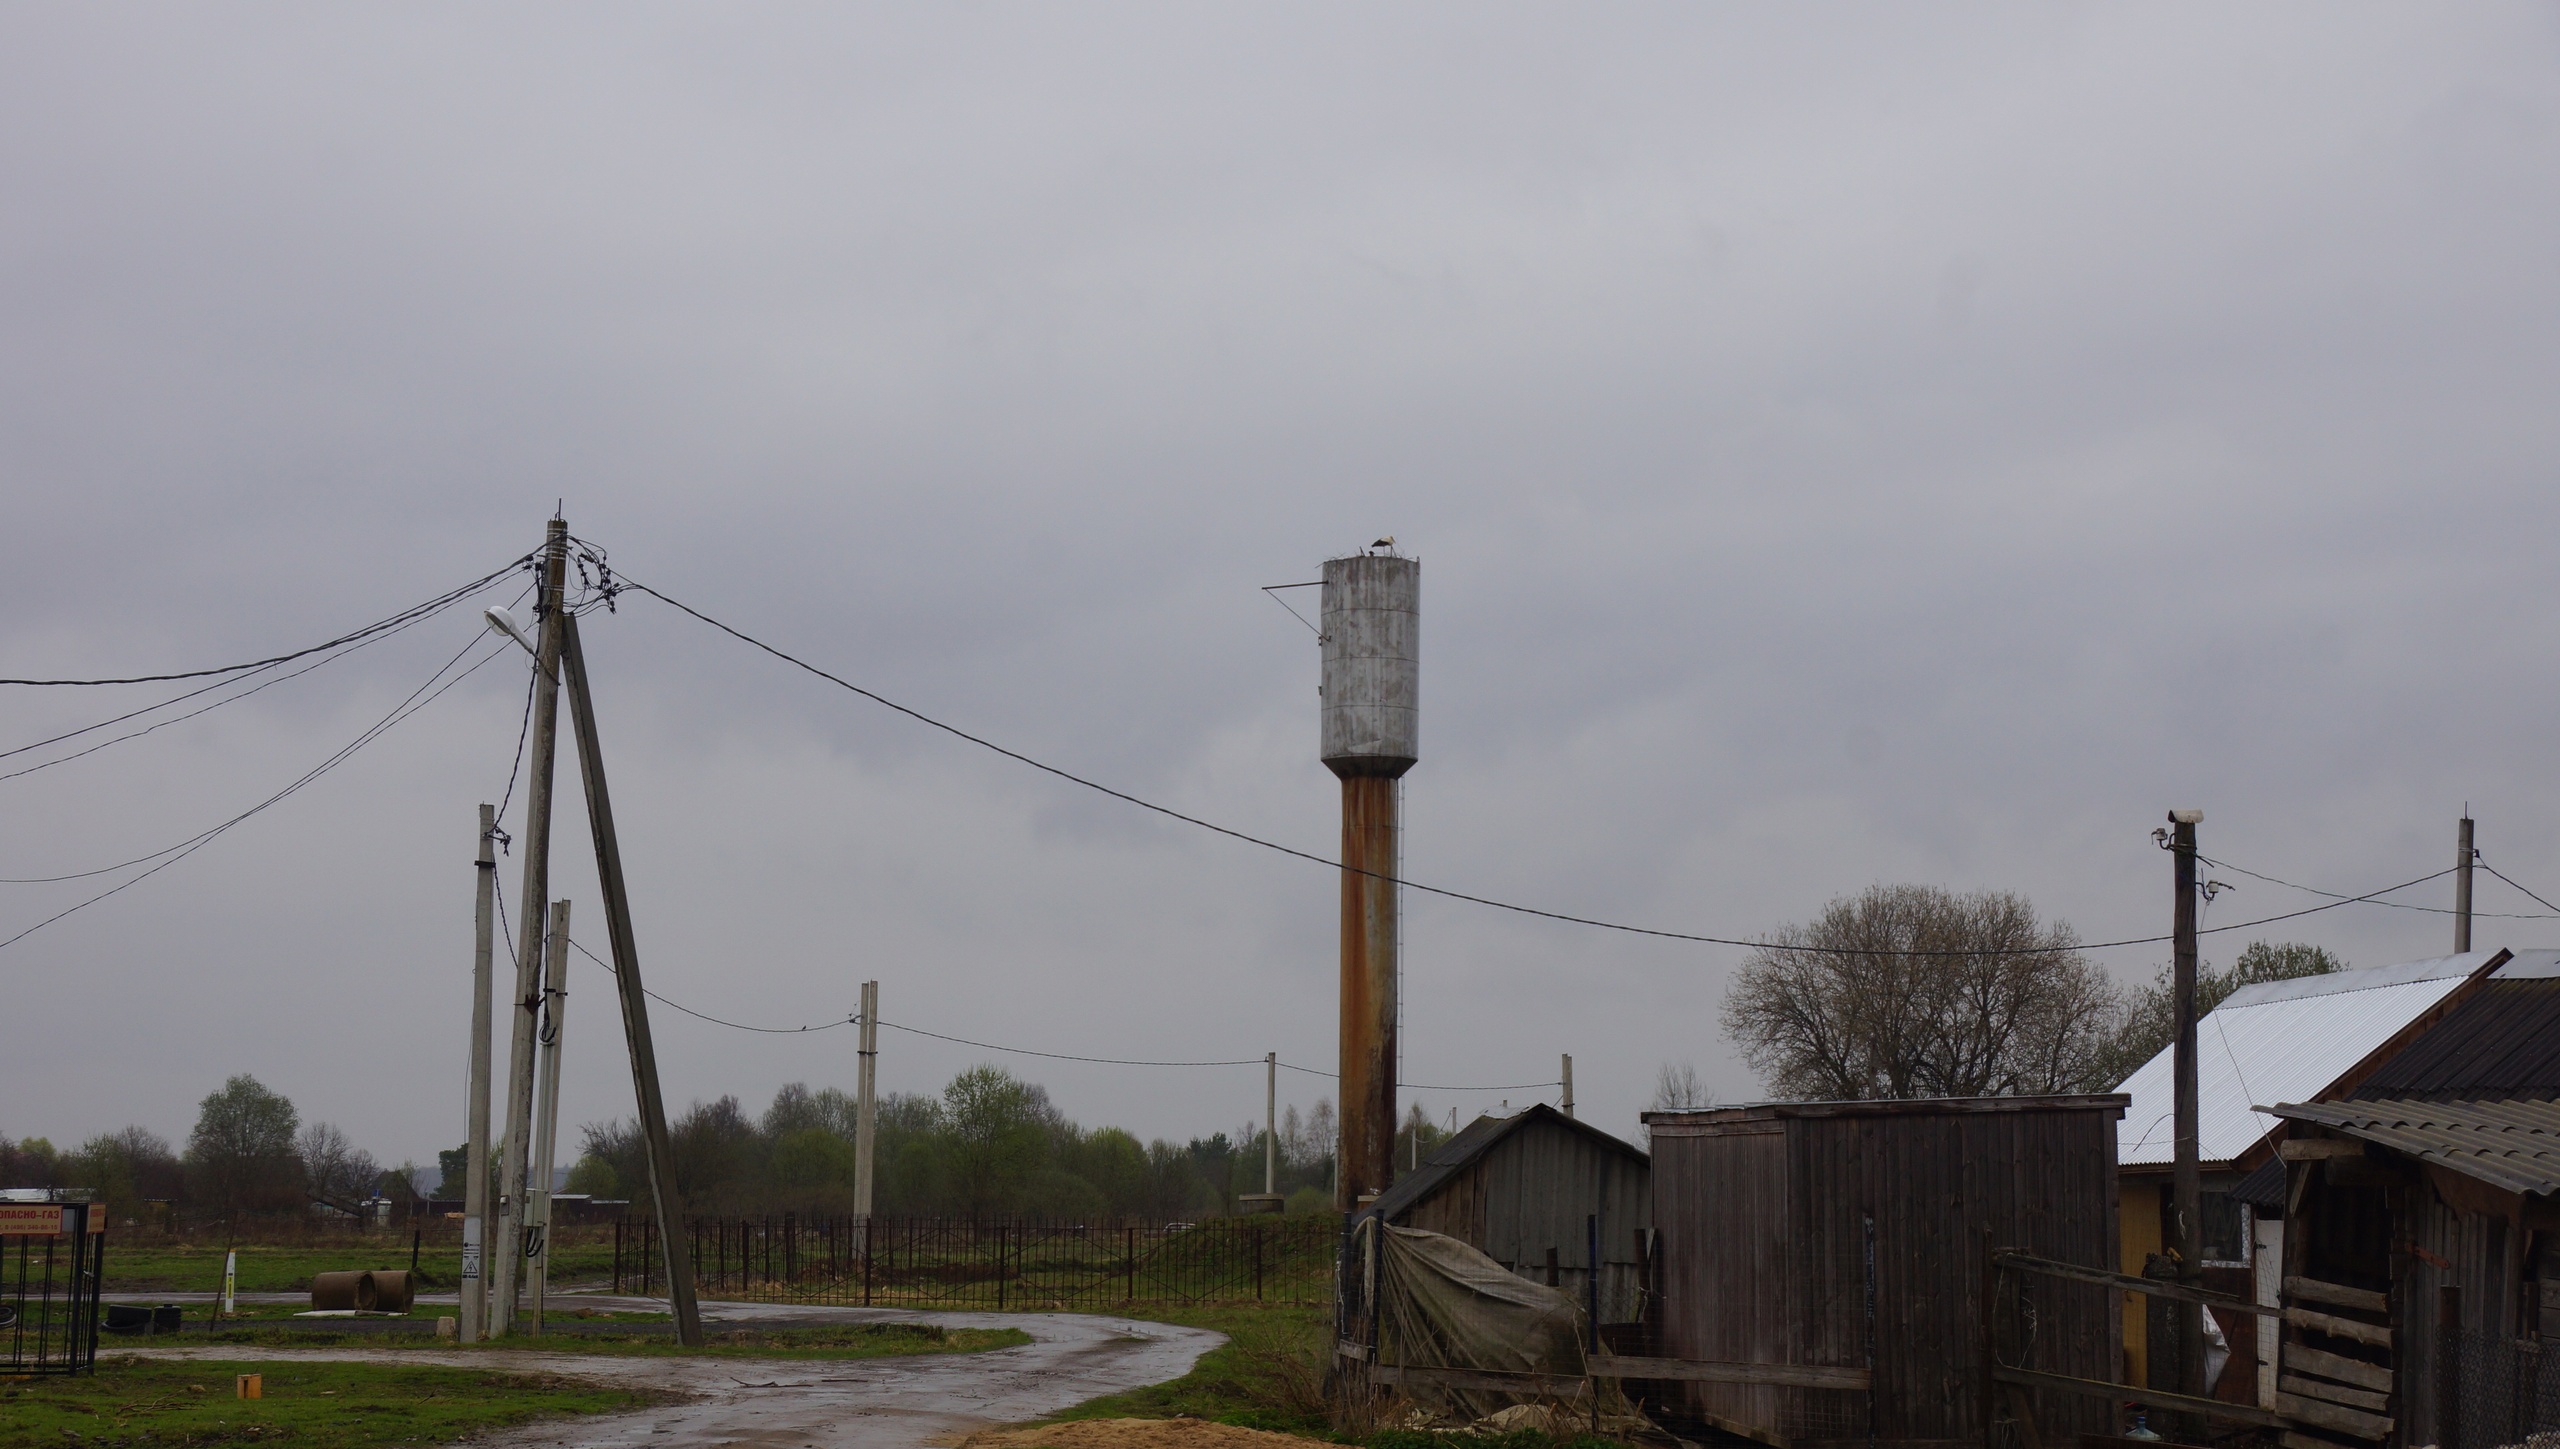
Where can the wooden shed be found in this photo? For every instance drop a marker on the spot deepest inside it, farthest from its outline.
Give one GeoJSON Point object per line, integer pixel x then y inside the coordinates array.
{"type": "Point", "coordinates": [1853, 1234]}
{"type": "Point", "coordinates": [1524, 1189]}
{"type": "Point", "coordinates": [2421, 1274]}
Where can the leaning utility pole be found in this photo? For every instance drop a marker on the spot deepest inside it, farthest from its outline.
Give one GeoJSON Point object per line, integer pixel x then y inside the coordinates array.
{"type": "Point", "coordinates": [475, 1176]}
{"type": "Point", "coordinates": [2462, 857]}
{"type": "Point", "coordinates": [546, 1124]}
{"type": "Point", "coordinates": [866, 1077]}
{"type": "Point", "coordinates": [658, 1152]}
{"type": "Point", "coordinates": [2185, 1188]}
{"type": "Point", "coordinates": [537, 890]}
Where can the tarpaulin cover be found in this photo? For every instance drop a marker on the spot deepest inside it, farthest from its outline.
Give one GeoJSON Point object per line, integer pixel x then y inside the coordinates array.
{"type": "Point", "coordinates": [1442, 1304]}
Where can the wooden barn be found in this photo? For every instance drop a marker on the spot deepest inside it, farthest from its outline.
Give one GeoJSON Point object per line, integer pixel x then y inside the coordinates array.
{"type": "Point", "coordinates": [1769, 1217]}
{"type": "Point", "coordinates": [1524, 1190]}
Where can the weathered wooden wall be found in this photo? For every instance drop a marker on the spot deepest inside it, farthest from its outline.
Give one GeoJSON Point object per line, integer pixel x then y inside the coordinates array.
{"type": "Point", "coordinates": [1532, 1192]}
{"type": "Point", "coordinates": [1763, 1213]}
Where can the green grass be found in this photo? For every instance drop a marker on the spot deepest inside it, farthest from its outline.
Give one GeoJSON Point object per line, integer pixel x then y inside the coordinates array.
{"type": "Point", "coordinates": [828, 1341]}
{"type": "Point", "coordinates": [194, 1267]}
{"type": "Point", "coordinates": [339, 1405]}
{"type": "Point", "coordinates": [1269, 1374]}
{"type": "Point", "coordinates": [559, 1312]}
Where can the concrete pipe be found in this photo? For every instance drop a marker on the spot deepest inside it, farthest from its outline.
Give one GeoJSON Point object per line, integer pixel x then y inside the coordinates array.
{"type": "Point", "coordinates": [393, 1290]}
{"type": "Point", "coordinates": [337, 1292]}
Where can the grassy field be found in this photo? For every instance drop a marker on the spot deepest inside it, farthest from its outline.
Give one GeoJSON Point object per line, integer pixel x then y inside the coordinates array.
{"type": "Point", "coordinates": [195, 1267]}
{"type": "Point", "coordinates": [560, 1312]}
{"type": "Point", "coordinates": [1269, 1374]}
{"type": "Point", "coordinates": [342, 1405]}
{"type": "Point", "coordinates": [830, 1341]}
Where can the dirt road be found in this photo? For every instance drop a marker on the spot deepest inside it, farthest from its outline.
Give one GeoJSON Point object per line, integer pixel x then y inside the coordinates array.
{"type": "Point", "coordinates": [881, 1403]}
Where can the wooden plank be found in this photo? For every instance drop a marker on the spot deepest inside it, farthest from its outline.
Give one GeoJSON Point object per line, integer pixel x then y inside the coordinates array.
{"type": "Point", "coordinates": [2333, 1416]}
{"type": "Point", "coordinates": [2148, 1398]}
{"type": "Point", "coordinates": [1552, 1386]}
{"type": "Point", "coordinates": [1345, 1348]}
{"type": "Point", "coordinates": [2297, 1358]}
{"type": "Point", "coordinates": [2291, 1440]}
{"type": "Point", "coordinates": [2334, 1393]}
{"type": "Point", "coordinates": [2329, 1323]}
{"type": "Point", "coordinates": [2315, 1149]}
{"type": "Point", "coordinates": [2338, 1294]}
{"type": "Point", "coordinates": [2156, 1287]}
{"type": "Point", "coordinates": [1799, 1376]}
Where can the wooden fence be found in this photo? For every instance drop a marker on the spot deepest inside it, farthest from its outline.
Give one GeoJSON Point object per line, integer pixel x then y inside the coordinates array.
{"type": "Point", "coordinates": [991, 1263]}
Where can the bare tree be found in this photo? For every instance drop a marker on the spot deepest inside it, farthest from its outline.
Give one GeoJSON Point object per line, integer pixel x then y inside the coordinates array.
{"type": "Point", "coordinates": [1913, 991]}
{"type": "Point", "coordinates": [1676, 1088]}
{"type": "Point", "coordinates": [336, 1172]}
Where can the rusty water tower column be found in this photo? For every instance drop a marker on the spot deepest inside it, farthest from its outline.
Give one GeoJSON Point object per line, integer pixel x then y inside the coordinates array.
{"type": "Point", "coordinates": [1371, 695]}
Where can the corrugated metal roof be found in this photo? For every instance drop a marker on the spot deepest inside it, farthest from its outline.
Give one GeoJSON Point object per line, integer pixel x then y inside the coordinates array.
{"type": "Point", "coordinates": [2280, 1041]}
{"type": "Point", "coordinates": [2508, 1144]}
{"type": "Point", "coordinates": [2503, 1043]}
{"type": "Point", "coordinates": [2531, 966]}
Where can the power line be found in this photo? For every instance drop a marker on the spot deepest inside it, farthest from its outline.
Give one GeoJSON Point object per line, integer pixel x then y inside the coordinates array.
{"type": "Point", "coordinates": [322, 663]}
{"type": "Point", "coordinates": [524, 730]}
{"type": "Point", "coordinates": [582, 950]}
{"type": "Point", "coordinates": [404, 619]}
{"type": "Point", "coordinates": [2493, 870]}
{"type": "Point", "coordinates": [1064, 1056]}
{"type": "Point", "coordinates": [190, 846]}
{"type": "Point", "coordinates": [1071, 777]}
{"type": "Point", "coordinates": [429, 607]}
{"type": "Point", "coordinates": [2395, 905]}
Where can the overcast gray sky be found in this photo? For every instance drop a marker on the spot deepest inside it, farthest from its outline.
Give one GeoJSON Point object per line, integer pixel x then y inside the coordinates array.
{"type": "Point", "coordinates": [1844, 444]}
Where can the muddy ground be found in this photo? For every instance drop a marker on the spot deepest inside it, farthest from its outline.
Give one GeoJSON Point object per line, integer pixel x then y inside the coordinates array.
{"type": "Point", "coordinates": [891, 1403]}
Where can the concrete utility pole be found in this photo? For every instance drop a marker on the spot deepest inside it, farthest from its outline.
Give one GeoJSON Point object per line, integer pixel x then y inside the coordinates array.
{"type": "Point", "coordinates": [2462, 857]}
{"type": "Point", "coordinates": [866, 1080]}
{"type": "Point", "coordinates": [475, 1191]}
{"type": "Point", "coordinates": [546, 1125]}
{"type": "Point", "coordinates": [1372, 694]}
{"type": "Point", "coordinates": [2186, 1186]}
{"type": "Point", "coordinates": [1566, 1106]}
{"type": "Point", "coordinates": [659, 1153]}
{"type": "Point", "coordinates": [537, 890]}
{"type": "Point", "coordinates": [1269, 1199]}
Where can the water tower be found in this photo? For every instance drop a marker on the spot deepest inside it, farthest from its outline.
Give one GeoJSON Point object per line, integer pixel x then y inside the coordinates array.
{"type": "Point", "coordinates": [1371, 696]}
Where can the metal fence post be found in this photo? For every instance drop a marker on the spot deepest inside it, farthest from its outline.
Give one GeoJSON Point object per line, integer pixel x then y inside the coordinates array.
{"type": "Point", "coordinates": [1870, 1234]}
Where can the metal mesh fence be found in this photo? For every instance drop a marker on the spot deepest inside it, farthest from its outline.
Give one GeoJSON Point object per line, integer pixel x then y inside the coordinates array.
{"type": "Point", "coordinates": [2498, 1390]}
{"type": "Point", "coordinates": [991, 1263]}
{"type": "Point", "coordinates": [51, 1263]}
{"type": "Point", "coordinates": [1833, 1276]}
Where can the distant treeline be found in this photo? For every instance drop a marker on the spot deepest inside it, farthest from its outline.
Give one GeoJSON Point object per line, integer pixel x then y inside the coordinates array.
{"type": "Point", "coordinates": [250, 1156]}
{"type": "Point", "coordinates": [988, 1145]}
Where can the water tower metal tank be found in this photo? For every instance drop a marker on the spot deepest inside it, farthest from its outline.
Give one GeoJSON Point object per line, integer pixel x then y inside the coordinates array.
{"type": "Point", "coordinates": [1371, 694]}
{"type": "Point", "coordinates": [1371, 637]}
